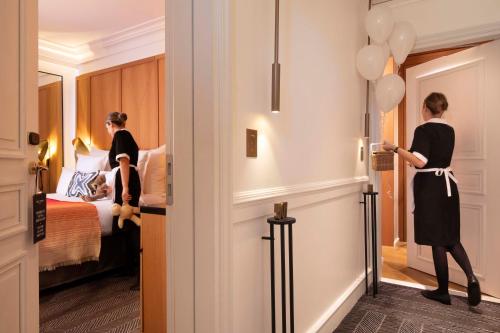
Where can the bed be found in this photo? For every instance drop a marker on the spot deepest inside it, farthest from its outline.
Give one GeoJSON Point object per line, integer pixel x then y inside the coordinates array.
{"type": "Point", "coordinates": [79, 241]}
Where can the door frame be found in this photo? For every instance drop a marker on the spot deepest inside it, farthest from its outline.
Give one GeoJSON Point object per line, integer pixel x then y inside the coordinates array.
{"type": "Point", "coordinates": [199, 277]}
{"type": "Point", "coordinates": [439, 43]}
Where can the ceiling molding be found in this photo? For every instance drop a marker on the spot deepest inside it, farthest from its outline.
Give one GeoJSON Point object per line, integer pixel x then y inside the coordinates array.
{"type": "Point", "coordinates": [136, 36]}
{"type": "Point", "coordinates": [458, 37]}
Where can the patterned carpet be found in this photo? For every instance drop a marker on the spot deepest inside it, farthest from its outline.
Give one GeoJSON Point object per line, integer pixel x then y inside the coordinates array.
{"type": "Point", "coordinates": [398, 309]}
{"type": "Point", "coordinates": [101, 305]}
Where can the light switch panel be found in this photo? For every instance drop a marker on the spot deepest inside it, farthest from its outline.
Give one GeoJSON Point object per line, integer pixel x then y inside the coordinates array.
{"type": "Point", "coordinates": [251, 143]}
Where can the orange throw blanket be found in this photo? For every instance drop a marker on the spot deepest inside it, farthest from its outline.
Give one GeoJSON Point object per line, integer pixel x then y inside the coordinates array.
{"type": "Point", "coordinates": [73, 235]}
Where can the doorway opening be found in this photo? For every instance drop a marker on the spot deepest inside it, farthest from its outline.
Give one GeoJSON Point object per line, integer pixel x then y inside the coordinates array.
{"type": "Point", "coordinates": [394, 185]}
{"type": "Point", "coordinates": [96, 58]}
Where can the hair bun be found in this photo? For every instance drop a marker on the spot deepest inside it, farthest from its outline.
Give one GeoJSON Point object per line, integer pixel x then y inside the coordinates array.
{"type": "Point", "coordinates": [123, 117]}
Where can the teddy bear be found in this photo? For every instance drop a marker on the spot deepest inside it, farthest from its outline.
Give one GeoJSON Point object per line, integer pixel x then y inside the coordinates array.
{"type": "Point", "coordinates": [101, 189]}
{"type": "Point", "coordinates": [126, 212]}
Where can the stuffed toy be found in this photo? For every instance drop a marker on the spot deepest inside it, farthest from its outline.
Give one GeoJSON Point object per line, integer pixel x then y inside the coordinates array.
{"type": "Point", "coordinates": [126, 212]}
{"type": "Point", "coordinates": [101, 189]}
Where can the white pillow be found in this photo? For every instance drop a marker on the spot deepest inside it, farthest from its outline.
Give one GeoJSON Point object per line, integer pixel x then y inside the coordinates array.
{"type": "Point", "coordinates": [152, 199]}
{"type": "Point", "coordinates": [99, 153]}
{"type": "Point", "coordinates": [64, 180]}
{"type": "Point", "coordinates": [141, 164]}
{"type": "Point", "coordinates": [155, 180]}
{"type": "Point", "coordinates": [89, 163]}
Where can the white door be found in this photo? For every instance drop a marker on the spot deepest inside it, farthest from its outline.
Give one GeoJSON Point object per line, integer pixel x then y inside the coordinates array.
{"type": "Point", "coordinates": [471, 81]}
{"type": "Point", "coordinates": [18, 116]}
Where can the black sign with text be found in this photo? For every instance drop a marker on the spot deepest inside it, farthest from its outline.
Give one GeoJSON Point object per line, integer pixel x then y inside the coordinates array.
{"type": "Point", "coordinates": [39, 216]}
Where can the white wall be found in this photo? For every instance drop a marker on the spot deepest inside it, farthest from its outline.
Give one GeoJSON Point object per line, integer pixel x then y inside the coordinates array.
{"type": "Point", "coordinates": [308, 154]}
{"type": "Point", "coordinates": [69, 105]}
{"type": "Point", "coordinates": [443, 23]}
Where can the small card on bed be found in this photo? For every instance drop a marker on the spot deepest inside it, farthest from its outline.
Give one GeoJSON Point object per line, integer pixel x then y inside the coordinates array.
{"type": "Point", "coordinates": [39, 217]}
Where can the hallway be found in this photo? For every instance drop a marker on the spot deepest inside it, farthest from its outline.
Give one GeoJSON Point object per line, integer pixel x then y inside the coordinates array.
{"type": "Point", "coordinates": [403, 310]}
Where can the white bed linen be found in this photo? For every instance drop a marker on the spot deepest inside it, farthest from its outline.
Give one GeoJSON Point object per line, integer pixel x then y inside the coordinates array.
{"type": "Point", "coordinates": [104, 207]}
{"type": "Point", "coordinates": [103, 210]}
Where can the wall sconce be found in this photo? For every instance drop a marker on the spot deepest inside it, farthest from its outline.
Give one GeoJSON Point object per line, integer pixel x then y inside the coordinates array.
{"type": "Point", "coordinates": [275, 94]}
{"type": "Point", "coordinates": [43, 147]}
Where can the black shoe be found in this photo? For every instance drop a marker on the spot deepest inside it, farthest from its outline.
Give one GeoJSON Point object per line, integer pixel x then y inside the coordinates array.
{"type": "Point", "coordinates": [437, 296]}
{"type": "Point", "coordinates": [474, 292]}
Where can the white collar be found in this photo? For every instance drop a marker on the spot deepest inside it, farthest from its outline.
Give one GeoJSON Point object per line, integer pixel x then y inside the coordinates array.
{"type": "Point", "coordinates": [437, 121]}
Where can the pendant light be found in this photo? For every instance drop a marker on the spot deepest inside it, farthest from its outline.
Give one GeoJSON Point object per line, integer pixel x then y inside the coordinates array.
{"type": "Point", "coordinates": [275, 94]}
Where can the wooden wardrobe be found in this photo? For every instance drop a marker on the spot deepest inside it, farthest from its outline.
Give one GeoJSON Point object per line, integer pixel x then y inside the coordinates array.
{"type": "Point", "coordinates": [136, 88]}
{"type": "Point", "coordinates": [50, 119]}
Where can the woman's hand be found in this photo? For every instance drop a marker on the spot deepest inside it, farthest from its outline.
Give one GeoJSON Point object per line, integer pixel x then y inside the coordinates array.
{"type": "Point", "coordinates": [388, 146]}
{"type": "Point", "coordinates": [126, 197]}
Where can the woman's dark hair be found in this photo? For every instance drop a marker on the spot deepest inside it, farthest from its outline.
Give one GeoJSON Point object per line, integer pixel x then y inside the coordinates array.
{"type": "Point", "coordinates": [436, 103]}
{"type": "Point", "coordinates": [117, 118]}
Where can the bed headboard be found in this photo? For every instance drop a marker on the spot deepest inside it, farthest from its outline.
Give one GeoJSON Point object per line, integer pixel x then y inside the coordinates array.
{"type": "Point", "coordinates": [136, 88]}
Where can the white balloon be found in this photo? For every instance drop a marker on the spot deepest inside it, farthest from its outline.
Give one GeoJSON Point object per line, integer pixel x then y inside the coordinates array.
{"type": "Point", "coordinates": [387, 51]}
{"type": "Point", "coordinates": [389, 91]}
{"type": "Point", "coordinates": [401, 41]}
{"type": "Point", "coordinates": [370, 62]}
{"type": "Point", "coordinates": [379, 23]}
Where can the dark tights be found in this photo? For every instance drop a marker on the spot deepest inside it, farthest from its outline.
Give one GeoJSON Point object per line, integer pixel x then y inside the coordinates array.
{"type": "Point", "coordinates": [441, 264]}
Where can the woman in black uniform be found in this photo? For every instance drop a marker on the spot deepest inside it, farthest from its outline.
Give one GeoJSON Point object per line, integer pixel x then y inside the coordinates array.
{"type": "Point", "coordinates": [437, 204]}
{"type": "Point", "coordinates": [123, 155]}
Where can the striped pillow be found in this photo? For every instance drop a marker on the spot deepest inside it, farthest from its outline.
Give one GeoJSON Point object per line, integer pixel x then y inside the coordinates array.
{"type": "Point", "coordinates": [81, 183]}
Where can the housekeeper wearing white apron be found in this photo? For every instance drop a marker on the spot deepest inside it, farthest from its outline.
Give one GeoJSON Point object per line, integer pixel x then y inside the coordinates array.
{"type": "Point", "coordinates": [437, 202]}
{"type": "Point", "coordinates": [123, 156]}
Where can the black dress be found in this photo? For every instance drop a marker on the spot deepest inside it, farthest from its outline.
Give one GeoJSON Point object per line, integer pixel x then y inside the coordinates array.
{"type": "Point", "coordinates": [436, 214]}
{"type": "Point", "coordinates": [124, 146]}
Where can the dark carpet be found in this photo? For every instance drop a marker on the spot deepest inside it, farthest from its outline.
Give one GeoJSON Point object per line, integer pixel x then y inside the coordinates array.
{"type": "Point", "coordinates": [398, 309]}
{"type": "Point", "coordinates": [101, 305]}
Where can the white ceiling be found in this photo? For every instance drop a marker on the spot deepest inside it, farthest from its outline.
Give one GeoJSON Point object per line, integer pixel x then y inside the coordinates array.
{"type": "Point", "coordinates": [76, 22]}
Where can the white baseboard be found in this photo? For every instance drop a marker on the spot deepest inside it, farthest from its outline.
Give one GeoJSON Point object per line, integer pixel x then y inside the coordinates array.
{"type": "Point", "coordinates": [332, 317]}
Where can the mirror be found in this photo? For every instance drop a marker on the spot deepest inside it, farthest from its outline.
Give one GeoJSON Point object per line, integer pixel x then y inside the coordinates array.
{"type": "Point", "coordinates": [50, 128]}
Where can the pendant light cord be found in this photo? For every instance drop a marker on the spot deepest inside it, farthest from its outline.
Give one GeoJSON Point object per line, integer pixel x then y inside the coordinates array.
{"type": "Point", "coordinates": [277, 31]}
{"type": "Point", "coordinates": [367, 112]}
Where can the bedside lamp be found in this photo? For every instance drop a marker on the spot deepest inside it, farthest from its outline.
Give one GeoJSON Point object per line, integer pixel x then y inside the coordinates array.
{"type": "Point", "coordinates": [80, 147]}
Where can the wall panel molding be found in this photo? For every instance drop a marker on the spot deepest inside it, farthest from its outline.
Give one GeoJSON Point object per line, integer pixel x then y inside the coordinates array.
{"type": "Point", "coordinates": [13, 217]}
{"type": "Point", "coordinates": [258, 203]}
{"type": "Point", "coordinates": [15, 268]}
{"type": "Point", "coordinates": [471, 181]}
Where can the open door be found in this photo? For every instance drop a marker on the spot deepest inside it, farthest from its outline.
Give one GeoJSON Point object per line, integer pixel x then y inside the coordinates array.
{"type": "Point", "coordinates": [471, 81]}
{"type": "Point", "coordinates": [18, 114]}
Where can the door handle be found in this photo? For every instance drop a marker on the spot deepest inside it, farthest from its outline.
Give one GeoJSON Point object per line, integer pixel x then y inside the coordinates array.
{"type": "Point", "coordinates": [36, 168]}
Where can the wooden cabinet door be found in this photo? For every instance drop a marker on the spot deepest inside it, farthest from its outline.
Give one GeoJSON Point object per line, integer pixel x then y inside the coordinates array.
{"type": "Point", "coordinates": [83, 108]}
{"type": "Point", "coordinates": [161, 101]}
{"type": "Point", "coordinates": [50, 129]}
{"type": "Point", "coordinates": [153, 273]}
{"type": "Point", "coordinates": [140, 102]}
{"type": "Point", "coordinates": [105, 92]}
